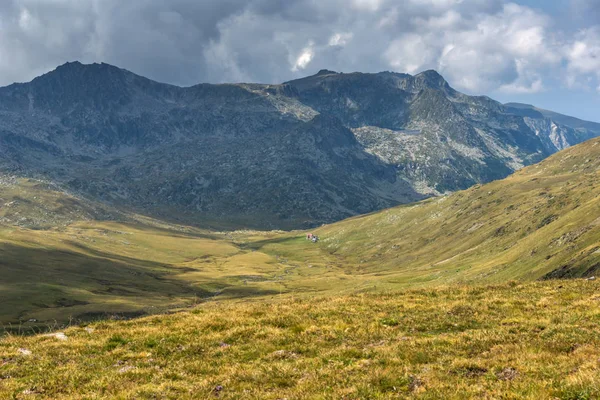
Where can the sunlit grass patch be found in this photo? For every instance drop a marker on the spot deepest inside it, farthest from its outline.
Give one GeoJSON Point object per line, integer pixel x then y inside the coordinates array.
{"type": "Point", "coordinates": [534, 340]}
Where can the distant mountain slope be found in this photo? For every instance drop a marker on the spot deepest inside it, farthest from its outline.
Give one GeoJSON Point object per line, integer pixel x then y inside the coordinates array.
{"type": "Point", "coordinates": [298, 154]}
{"type": "Point", "coordinates": [439, 139]}
{"type": "Point", "coordinates": [571, 122]}
{"type": "Point", "coordinates": [33, 204]}
{"type": "Point", "coordinates": [541, 222]}
{"type": "Point", "coordinates": [558, 130]}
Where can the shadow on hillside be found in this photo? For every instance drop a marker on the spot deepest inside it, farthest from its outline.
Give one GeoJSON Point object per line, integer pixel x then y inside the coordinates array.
{"type": "Point", "coordinates": [259, 244]}
{"type": "Point", "coordinates": [183, 233]}
{"type": "Point", "coordinates": [67, 284]}
{"type": "Point", "coordinates": [129, 261]}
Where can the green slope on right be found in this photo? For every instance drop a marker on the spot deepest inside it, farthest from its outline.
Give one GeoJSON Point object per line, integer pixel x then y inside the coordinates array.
{"type": "Point", "coordinates": [542, 222]}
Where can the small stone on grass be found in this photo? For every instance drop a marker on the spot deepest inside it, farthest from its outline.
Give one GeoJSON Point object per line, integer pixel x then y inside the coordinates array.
{"type": "Point", "coordinates": [25, 352]}
{"type": "Point", "coordinates": [284, 354]}
{"type": "Point", "coordinates": [507, 374]}
{"type": "Point", "coordinates": [58, 335]}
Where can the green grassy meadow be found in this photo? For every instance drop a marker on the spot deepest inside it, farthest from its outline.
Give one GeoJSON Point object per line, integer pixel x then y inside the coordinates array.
{"type": "Point", "coordinates": [511, 341]}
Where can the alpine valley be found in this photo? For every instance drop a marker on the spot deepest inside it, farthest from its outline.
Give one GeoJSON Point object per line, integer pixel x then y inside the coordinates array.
{"type": "Point", "coordinates": [153, 241]}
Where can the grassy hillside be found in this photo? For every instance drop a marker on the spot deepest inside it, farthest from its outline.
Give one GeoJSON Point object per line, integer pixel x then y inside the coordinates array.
{"type": "Point", "coordinates": [543, 221]}
{"type": "Point", "coordinates": [35, 204]}
{"type": "Point", "coordinates": [531, 341]}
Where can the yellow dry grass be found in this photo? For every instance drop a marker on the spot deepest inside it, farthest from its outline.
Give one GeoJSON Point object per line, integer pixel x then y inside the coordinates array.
{"type": "Point", "coordinates": [513, 341]}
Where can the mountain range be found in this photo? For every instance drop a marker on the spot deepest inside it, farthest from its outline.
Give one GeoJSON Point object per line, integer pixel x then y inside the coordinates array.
{"type": "Point", "coordinates": [292, 155]}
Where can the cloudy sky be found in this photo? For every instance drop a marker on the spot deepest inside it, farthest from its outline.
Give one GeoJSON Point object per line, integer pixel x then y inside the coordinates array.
{"type": "Point", "coordinates": [536, 51]}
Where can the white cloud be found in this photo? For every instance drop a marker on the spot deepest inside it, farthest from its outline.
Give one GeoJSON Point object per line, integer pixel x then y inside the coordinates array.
{"type": "Point", "coordinates": [515, 87]}
{"type": "Point", "coordinates": [340, 39]}
{"type": "Point", "coordinates": [305, 57]}
{"type": "Point", "coordinates": [25, 19]}
{"type": "Point", "coordinates": [527, 82]}
{"type": "Point", "coordinates": [583, 60]}
{"type": "Point", "coordinates": [410, 53]}
{"type": "Point", "coordinates": [368, 5]}
{"type": "Point", "coordinates": [583, 55]}
{"type": "Point", "coordinates": [502, 50]}
{"type": "Point", "coordinates": [437, 3]}
{"type": "Point", "coordinates": [448, 20]}
{"type": "Point", "coordinates": [478, 45]}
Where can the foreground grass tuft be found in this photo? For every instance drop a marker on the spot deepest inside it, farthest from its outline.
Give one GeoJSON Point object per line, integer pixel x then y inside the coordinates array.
{"type": "Point", "coordinates": [536, 340]}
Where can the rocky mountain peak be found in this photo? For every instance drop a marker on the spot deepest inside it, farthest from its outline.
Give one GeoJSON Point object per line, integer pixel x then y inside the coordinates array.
{"type": "Point", "coordinates": [85, 72]}
{"type": "Point", "coordinates": [69, 65]}
{"type": "Point", "coordinates": [326, 72]}
{"type": "Point", "coordinates": [349, 142]}
{"type": "Point", "coordinates": [432, 79]}
{"type": "Point", "coordinates": [75, 85]}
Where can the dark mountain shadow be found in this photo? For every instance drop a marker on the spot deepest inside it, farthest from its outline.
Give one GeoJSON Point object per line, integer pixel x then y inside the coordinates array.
{"type": "Point", "coordinates": [65, 285]}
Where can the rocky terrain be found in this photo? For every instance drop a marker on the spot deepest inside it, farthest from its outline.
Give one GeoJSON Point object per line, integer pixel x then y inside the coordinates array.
{"type": "Point", "coordinates": [557, 131]}
{"type": "Point", "coordinates": [34, 204]}
{"type": "Point", "coordinates": [293, 155]}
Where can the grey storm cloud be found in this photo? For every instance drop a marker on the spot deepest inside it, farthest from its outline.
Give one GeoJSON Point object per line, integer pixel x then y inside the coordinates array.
{"type": "Point", "coordinates": [479, 45]}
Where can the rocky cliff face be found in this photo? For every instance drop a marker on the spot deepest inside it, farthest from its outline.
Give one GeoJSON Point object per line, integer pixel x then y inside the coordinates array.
{"type": "Point", "coordinates": [438, 139]}
{"type": "Point", "coordinates": [556, 131]}
{"type": "Point", "coordinates": [292, 155]}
